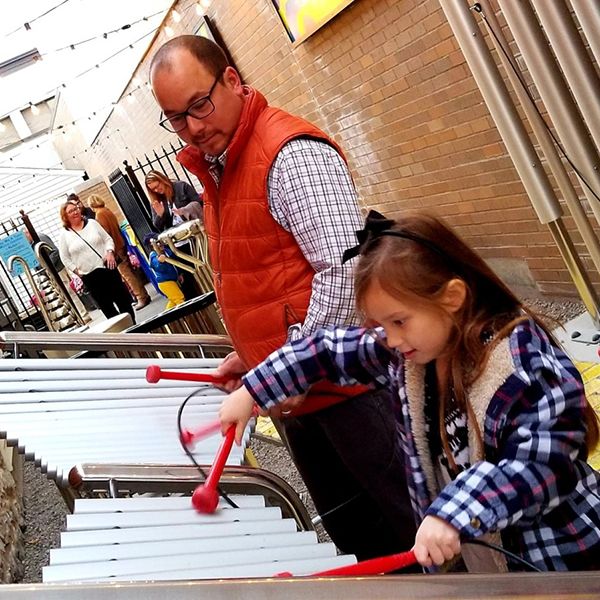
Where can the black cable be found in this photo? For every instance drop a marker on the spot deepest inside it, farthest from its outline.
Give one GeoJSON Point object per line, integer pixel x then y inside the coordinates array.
{"type": "Point", "coordinates": [479, 9]}
{"type": "Point", "coordinates": [221, 492]}
{"type": "Point", "coordinates": [504, 551]}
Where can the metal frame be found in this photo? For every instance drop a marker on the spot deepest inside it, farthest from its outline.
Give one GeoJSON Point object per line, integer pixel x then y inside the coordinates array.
{"type": "Point", "coordinates": [119, 479]}
{"type": "Point", "coordinates": [17, 341]}
{"type": "Point", "coordinates": [527, 586]}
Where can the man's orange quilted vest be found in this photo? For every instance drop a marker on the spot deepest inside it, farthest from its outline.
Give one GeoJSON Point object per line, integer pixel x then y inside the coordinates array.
{"type": "Point", "coordinates": [261, 278]}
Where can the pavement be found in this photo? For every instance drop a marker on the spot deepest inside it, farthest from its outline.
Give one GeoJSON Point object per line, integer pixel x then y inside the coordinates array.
{"type": "Point", "coordinates": [581, 340]}
{"type": "Point", "coordinates": [156, 306]}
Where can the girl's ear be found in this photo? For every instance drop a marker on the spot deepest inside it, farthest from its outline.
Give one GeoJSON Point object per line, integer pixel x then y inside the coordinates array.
{"type": "Point", "coordinates": [454, 295]}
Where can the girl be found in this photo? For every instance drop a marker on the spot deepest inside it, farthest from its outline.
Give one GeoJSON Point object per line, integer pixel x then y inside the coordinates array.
{"type": "Point", "coordinates": [492, 415]}
{"type": "Point", "coordinates": [165, 273]}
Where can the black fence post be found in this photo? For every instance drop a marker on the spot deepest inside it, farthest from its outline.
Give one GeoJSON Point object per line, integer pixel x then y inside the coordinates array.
{"type": "Point", "coordinates": [138, 188]}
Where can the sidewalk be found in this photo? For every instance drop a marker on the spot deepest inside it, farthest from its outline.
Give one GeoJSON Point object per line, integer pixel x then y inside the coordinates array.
{"type": "Point", "coordinates": [583, 350]}
{"type": "Point", "coordinates": [156, 306]}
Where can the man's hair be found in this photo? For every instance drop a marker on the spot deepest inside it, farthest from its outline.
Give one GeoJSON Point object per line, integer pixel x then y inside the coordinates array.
{"type": "Point", "coordinates": [205, 51]}
{"type": "Point", "coordinates": [73, 198]}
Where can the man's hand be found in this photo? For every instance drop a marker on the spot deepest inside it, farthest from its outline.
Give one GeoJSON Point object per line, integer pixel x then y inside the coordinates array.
{"type": "Point", "coordinates": [231, 368]}
{"type": "Point", "coordinates": [161, 258]}
{"type": "Point", "coordinates": [284, 409]}
{"type": "Point", "coordinates": [236, 410]}
{"type": "Point", "coordinates": [436, 542]}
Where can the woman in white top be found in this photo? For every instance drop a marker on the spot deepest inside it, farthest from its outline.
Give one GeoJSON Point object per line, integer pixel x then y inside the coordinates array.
{"type": "Point", "coordinates": [88, 251]}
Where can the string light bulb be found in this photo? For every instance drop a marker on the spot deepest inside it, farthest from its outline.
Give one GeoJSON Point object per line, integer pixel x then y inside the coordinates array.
{"type": "Point", "coordinates": [2, 126]}
{"type": "Point", "coordinates": [34, 109]}
{"type": "Point", "coordinates": [176, 16]}
{"type": "Point", "coordinates": [205, 3]}
{"type": "Point", "coordinates": [199, 9]}
{"type": "Point", "coordinates": [169, 31]}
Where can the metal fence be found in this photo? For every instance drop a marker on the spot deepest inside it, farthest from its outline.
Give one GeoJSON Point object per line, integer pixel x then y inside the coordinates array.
{"type": "Point", "coordinates": [128, 185]}
{"type": "Point", "coordinates": [17, 312]}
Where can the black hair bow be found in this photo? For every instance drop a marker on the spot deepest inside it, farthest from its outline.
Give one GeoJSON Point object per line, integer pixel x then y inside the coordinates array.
{"type": "Point", "coordinates": [376, 225]}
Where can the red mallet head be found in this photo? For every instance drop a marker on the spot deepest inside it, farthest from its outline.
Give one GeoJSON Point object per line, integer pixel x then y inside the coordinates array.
{"type": "Point", "coordinates": [205, 499]}
{"type": "Point", "coordinates": [187, 437]}
{"type": "Point", "coordinates": [153, 374]}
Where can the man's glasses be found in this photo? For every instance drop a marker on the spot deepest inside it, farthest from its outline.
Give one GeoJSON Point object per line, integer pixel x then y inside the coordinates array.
{"type": "Point", "coordinates": [200, 109]}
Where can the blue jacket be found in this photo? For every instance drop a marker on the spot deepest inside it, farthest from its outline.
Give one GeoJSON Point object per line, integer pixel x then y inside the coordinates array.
{"type": "Point", "coordinates": [163, 271]}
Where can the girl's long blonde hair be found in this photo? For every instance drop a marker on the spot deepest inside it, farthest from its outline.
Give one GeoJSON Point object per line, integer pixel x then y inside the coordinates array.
{"type": "Point", "coordinates": [419, 269]}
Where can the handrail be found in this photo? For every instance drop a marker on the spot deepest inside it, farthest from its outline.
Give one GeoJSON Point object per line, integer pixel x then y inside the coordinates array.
{"type": "Point", "coordinates": [45, 340]}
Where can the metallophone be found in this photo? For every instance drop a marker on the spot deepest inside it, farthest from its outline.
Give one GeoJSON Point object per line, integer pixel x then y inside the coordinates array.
{"type": "Point", "coordinates": [130, 540]}
{"type": "Point", "coordinates": [97, 426]}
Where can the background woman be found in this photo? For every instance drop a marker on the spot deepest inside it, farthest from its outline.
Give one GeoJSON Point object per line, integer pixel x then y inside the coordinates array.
{"type": "Point", "coordinates": [109, 222]}
{"type": "Point", "coordinates": [167, 198]}
{"type": "Point", "coordinates": [174, 202]}
{"type": "Point", "coordinates": [88, 251]}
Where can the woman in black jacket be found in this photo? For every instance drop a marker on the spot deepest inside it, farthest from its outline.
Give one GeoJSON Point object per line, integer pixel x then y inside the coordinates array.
{"type": "Point", "coordinates": [174, 202]}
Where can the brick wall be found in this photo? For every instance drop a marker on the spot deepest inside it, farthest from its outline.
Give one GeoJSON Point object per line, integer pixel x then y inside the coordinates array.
{"type": "Point", "coordinates": [387, 80]}
{"type": "Point", "coordinates": [97, 186]}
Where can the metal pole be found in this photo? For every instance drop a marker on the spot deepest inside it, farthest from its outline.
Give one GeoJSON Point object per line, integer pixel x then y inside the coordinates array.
{"type": "Point", "coordinates": [568, 47]}
{"type": "Point", "coordinates": [519, 145]}
{"type": "Point", "coordinates": [541, 132]}
{"type": "Point", "coordinates": [588, 14]}
{"type": "Point", "coordinates": [555, 94]}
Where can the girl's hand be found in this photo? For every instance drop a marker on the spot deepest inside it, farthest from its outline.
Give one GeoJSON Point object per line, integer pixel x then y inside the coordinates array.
{"type": "Point", "coordinates": [436, 542]}
{"type": "Point", "coordinates": [161, 258]}
{"type": "Point", "coordinates": [236, 410]}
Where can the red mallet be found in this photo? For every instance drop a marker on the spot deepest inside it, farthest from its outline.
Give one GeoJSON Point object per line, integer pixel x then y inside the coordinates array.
{"type": "Point", "coordinates": [154, 374]}
{"type": "Point", "coordinates": [373, 566]}
{"type": "Point", "coordinates": [190, 437]}
{"type": "Point", "coordinates": [205, 497]}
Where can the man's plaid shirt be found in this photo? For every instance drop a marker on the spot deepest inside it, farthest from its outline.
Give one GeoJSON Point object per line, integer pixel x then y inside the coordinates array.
{"type": "Point", "coordinates": [311, 195]}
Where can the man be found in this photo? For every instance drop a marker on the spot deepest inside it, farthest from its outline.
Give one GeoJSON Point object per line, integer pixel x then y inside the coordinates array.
{"type": "Point", "coordinates": [87, 212]}
{"type": "Point", "coordinates": [109, 222]}
{"type": "Point", "coordinates": [279, 210]}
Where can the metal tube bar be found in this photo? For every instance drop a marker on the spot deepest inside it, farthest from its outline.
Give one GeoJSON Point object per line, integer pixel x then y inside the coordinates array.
{"type": "Point", "coordinates": [520, 586]}
{"type": "Point", "coordinates": [515, 137]}
{"type": "Point", "coordinates": [108, 341]}
{"type": "Point", "coordinates": [588, 14]}
{"type": "Point", "coordinates": [502, 109]}
{"type": "Point", "coordinates": [541, 132]}
{"type": "Point", "coordinates": [573, 58]}
{"type": "Point", "coordinates": [554, 93]}
{"type": "Point", "coordinates": [576, 269]}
